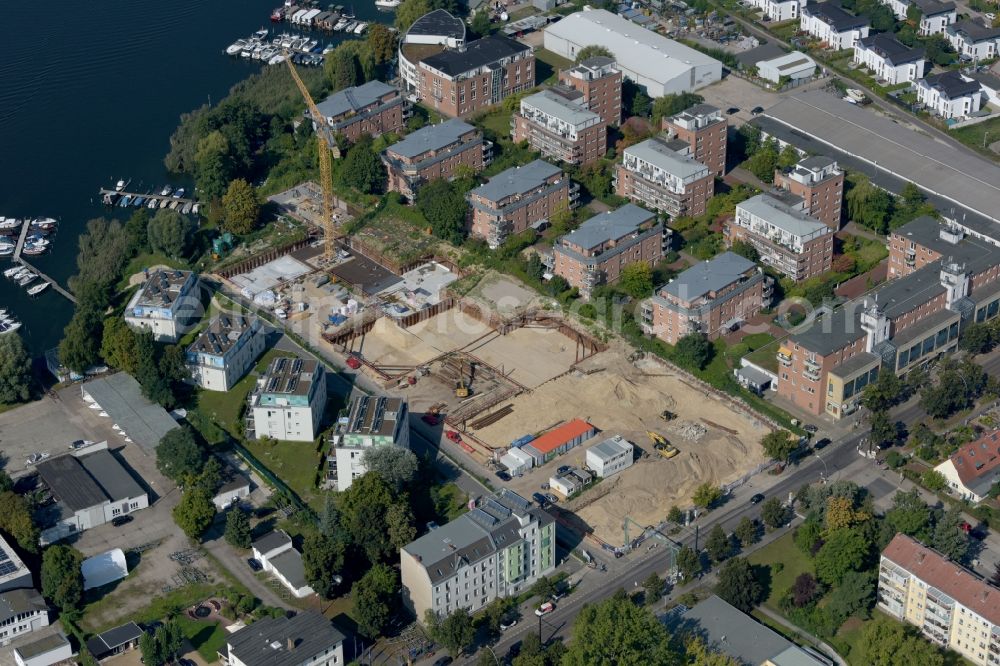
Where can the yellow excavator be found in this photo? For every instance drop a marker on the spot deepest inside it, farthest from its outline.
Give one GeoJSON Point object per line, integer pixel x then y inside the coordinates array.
{"type": "Point", "coordinates": [660, 443]}
{"type": "Point", "coordinates": [461, 387]}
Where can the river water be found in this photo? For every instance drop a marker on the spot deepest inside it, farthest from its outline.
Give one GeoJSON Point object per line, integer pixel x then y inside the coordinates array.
{"type": "Point", "coordinates": [90, 92]}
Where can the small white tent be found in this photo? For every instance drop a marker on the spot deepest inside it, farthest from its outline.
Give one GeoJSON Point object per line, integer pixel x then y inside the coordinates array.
{"type": "Point", "coordinates": [104, 568]}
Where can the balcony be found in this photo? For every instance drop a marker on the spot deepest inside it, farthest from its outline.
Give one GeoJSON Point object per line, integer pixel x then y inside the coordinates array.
{"type": "Point", "coordinates": [574, 193]}
{"type": "Point", "coordinates": [784, 357]}
{"type": "Point", "coordinates": [811, 374]}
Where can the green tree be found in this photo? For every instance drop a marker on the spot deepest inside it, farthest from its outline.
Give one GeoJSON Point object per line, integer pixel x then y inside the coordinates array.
{"type": "Point", "coordinates": [868, 205]}
{"type": "Point", "coordinates": [746, 532]}
{"type": "Point", "coordinates": [323, 561]}
{"type": "Point", "coordinates": [16, 521]}
{"type": "Point", "coordinates": [882, 431]}
{"type": "Point", "coordinates": [979, 338]}
{"type": "Point", "coordinates": [653, 587]}
{"type": "Point", "coordinates": [119, 347]}
{"type": "Point", "coordinates": [409, 11]}
{"type": "Point", "coordinates": [774, 513]}
{"type": "Point", "coordinates": [445, 208]}
{"type": "Point", "coordinates": [854, 596]}
{"type": "Point", "coordinates": [496, 612]}
{"type": "Point", "coordinates": [178, 455]}
{"type": "Point", "coordinates": [135, 229]}
{"type": "Point", "coordinates": [62, 581]}
{"type": "Point", "coordinates": [885, 392]}
{"type": "Point", "coordinates": [788, 157]}
{"type": "Point", "coordinates": [240, 207]}
{"type": "Point", "coordinates": [718, 545]}
{"type": "Point", "coordinates": [706, 495]}
{"type": "Point", "coordinates": [949, 537]}
{"type": "Point", "coordinates": [213, 165]}
{"type": "Point", "coordinates": [808, 536]}
{"type": "Point", "coordinates": [844, 550]}
{"type": "Point", "coordinates": [169, 232]}
{"type": "Point", "coordinates": [671, 105]}
{"type": "Point", "coordinates": [738, 585]}
{"type": "Point", "coordinates": [480, 23]}
{"type": "Point", "coordinates": [455, 632]}
{"type": "Point", "coordinates": [764, 161]}
{"type": "Point", "coordinates": [938, 50]}
{"type": "Point", "coordinates": [374, 598]}
{"type": "Point", "coordinates": [693, 351]}
{"type": "Point", "coordinates": [364, 508]}
{"type": "Point", "coordinates": [593, 50]}
{"type": "Point", "coordinates": [343, 68]}
{"type": "Point", "coordinates": [362, 169]}
{"type": "Point", "coordinates": [745, 250]}
{"type": "Point", "coordinates": [779, 445]}
{"type": "Point", "coordinates": [15, 370]}
{"type": "Point", "coordinates": [80, 346]}
{"type": "Point", "coordinates": [637, 280]}
{"type": "Point", "coordinates": [616, 631]}
{"type": "Point", "coordinates": [885, 642]}
{"type": "Point", "coordinates": [688, 563]}
{"type": "Point", "coordinates": [399, 521]}
{"type": "Point", "coordinates": [543, 588]}
{"type": "Point", "coordinates": [910, 515]}
{"type": "Point", "coordinates": [237, 529]}
{"type": "Point", "coordinates": [195, 512]}
{"type": "Point", "coordinates": [150, 649]}
{"type": "Point", "coordinates": [396, 465]}
{"type": "Point", "coordinates": [699, 654]}
{"type": "Point", "coordinates": [382, 42]}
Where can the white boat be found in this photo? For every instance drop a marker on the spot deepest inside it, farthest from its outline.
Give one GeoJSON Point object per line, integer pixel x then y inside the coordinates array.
{"type": "Point", "coordinates": [9, 328]}
{"type": "Point", "coordinates": [165, 192]}
{"type": "Point", "coordinates": [277, 59]}
{"type": "Point", "coordinates": [261, 34]}
{"type": "Point", "coordinates": [236, 47]}
{"type": "Point", "coordinates": [11, 272]}
{"type": "Point", "coordinates": [120, 185]}
{"type": "Point", "coordinates": [194, 208]}
{"type": "Point", "coordinates": [26, 279]}
{"type": "Point", "coordinates": [5, 246]}
{"type": "Point", "coordinates": [341, 24]}
{"type": "Point", "coordinates": [38, 288]}
{"type": "Point", "coordinates": [10, 223]}
{"type": "Point", "coordinates": [310, 45]}
{"type": "Point", "coordinates": [6, 252]}
{"type": "Point", "coordinates": [164, 203]}
{"type": "Point", "coordinates": [361, 28]}
{"type": "Point", "coordinates": [387, 4]}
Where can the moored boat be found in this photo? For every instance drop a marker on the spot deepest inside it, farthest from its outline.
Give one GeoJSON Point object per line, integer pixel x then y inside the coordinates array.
{"type": "Point", "coordinates": [38, 288]}
{"type": "Point", "coordinates": [236, 47]}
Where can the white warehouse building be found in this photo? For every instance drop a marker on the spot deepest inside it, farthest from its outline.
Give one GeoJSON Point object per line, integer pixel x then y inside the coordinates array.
{"type": "Point", "coordinates": [609, 457]}
{"type": "Point", "coordinates": [661, 65]}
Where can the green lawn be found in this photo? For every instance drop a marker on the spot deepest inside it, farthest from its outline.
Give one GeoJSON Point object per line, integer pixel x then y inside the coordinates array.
{"type": "Point", "coordinates": [794, 562]}
{"type": "Point", "coordinates": [207, 638]}
{"type": "Point", "coordinates": [548, 64]}
{"type": "Point", "coordinates": [498, 121]}
{"type": "Point", "coordinates": [295, 463]}
{"type": "Point", "coordinates": [973, 135]}
{"type": "Point", "coordinates": [147, 260]}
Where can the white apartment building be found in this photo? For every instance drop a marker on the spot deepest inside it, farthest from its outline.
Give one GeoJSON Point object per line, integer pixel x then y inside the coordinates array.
{"type": "Point", "coordinates": [561, 127]}
{"type": "Point", "coordinates": [611, 456]}
{"type": "Point", "coordinates": [225, 351]}
{"type": "Point", "coordinates": [304, 639]}
{"type": "Point", "coordinates": [21, 612]}
{"type": "Point", "coordinates": [498, 549]}
{"type": "Point", "coordinates": [832, 25]}
{"type": "Point", "coordinates": [935, 16]}
{"type": "Point", "coordinates": [890, 60]}
{"type": "Point", "coordinates": [973, 40]}
{"type": "Point", "coordinates": [950, 95]}
{"type": "Point", "coordinates": [952, 606]}
{"type": "Point", "coordinates": [165, 304]}
{"type": "Point", "coordinates": [289, 400]}
{"type": "Point", "coordinates": [780, 10]}
{"type": "Point", "coordinates": [658, 176]}
{"type": "Point", "coordinates": [371, 421]}
{"type": "Point", "coordinates": [787, 239]}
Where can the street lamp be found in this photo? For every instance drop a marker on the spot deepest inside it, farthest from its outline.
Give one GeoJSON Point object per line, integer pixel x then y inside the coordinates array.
{"type": "Point", "coordinates": [495, 658]}
{"type": "Point", "coordinates": [825, 473]}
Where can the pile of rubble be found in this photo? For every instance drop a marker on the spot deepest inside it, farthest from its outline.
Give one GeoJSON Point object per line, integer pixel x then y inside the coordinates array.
{"type": "Point", "coordinates": [691, 431]}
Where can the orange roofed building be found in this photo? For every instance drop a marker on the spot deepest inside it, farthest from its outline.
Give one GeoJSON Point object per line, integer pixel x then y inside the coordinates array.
{"type": "Point", "coordinates": [974, 468]}
{"type": "Point", "coordinates": [559, 440]}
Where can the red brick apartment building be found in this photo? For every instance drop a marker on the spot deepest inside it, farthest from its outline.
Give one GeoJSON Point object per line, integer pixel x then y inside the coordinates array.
{"type": "Point", "coordinates": [944, 280]}
{"type": "Point", "coordinates": [787, 239]}
{"type": "Point", "coordinates": [518, 198]}
{"type": "Point", "coordinates": [598, 250]}
{"type": "Point", "coordinates": [654, 174]}
{"type": "Point", "coordinates": [373, 108]}
{"type": "Point", "coordinates": [434, 151]}
{"type": "Point", "coordinates": [600, 82]}
{"type": "Point", "coordinates": [712, 297]}
{"type": "Point", "coordinates": [457, 82]}
{"type": "Point", "coordinates": [558, 124]}
{"type": "Point", "coordinates": [820, 183]}
{"type": "Point", "coordinates": [704, 129]}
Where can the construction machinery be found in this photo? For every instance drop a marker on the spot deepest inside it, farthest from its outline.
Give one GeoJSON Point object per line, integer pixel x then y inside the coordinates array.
{"type": "Point", "coordinates": [462, 388]}
{"type": "Point", "coordinates": [660, 443]}
{"type": "Point", "coordinates": [667, 415]}
{"type": "Point", "coordinates": [327, 147]}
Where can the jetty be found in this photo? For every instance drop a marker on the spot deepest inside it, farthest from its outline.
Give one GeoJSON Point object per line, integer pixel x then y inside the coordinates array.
{"type": "Point", "coordinates": [112, 197]}
{"type": "Point", "coordinates": [25, 228]}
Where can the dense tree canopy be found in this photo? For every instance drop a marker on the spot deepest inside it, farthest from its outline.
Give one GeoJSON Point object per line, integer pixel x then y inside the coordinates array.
{"type": "Point", "coordinates": [237, 529]}
{"type": "Point", "coordinates": [444, 206]}
{"type": "Point", "coordinates": [616, 631]}
{"type": "Point", "coordinates": [374, 599]}
{"type": "Point", "coordinates": [62, 581]}
{"type": "Point", "coordinates": [396, 465]}
{"type": "Point", "coordinates": [16, 520]}
{"type": "Point", "coordinates": [15, 369]}
{"type": "Point", "coordinates": [693, 351]}
{"type": "Point", "coordinates": [362, 169]}
{"type": "Point", "coordinates": [169, 232]}
{"type": "Point", "coordinates": [195, 513]}
{"type": "Point", "coordinates": [178, 455]}
{"type": "Point", "coordinates": [593, 50]}
{"type": "Point", "coordinates": [738, 585]}
{"type": "Point", "coordinates": [240, 207]}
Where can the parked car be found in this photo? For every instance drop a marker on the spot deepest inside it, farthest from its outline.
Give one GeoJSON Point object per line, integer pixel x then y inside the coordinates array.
{"type": "Point", "coordinates": [757, 499]}
{"type": "Point", "coordinates": [545, 609]}
{"type": "Point", "coordinates": [551, 498]}
{"type": "Point", "coordinates": [121, 520]}
{"type": "Point", "coordinates": [821, 443]}
{"type": "Point", "coordinates": [731, 110]}
{"type": "Point", "coordinates": [255, 564]}
{"type": "Point", "coordinates": [757, 110]}
{"type": "Point", "coordinates": [453, 436]}
{"type": "Point", "coordinates": [507, 624]}
{"type": "Point", "coordinates": [540, 498]}
{"type": "Point", "coordinates": [809, 427]}
{"type": "Point", "coordinates": [503, 476]}
{"type": "Point", "coordinates": [443, 661]}
{"type": "Point", "coordinates": [563, 469]}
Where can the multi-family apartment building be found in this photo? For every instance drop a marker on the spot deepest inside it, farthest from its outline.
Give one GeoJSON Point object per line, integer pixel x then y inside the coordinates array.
{"type": "Point", "coordinates": [498, 549]}
{"type": "Point", "coordinates": [482, 73]}
{"type": "Point", "coordinates": [166, 304]}
{"type": "Point", "coordinates": [519, 198]}
{"type": "Point", "coordinates": [787, 239]}
{"type": "Point", "coordinates": [371, 421]}
{"type": "Point", "coordinates": [432, 152]}
{"type": "Point", "coordinates": [373, 108]}
{"type": "Point", "coordinates": [832, 25]}
{"type": "Point", "coordinates": [973, 40]}
{"type": "Point", "coordinates": [713, 297]}
{"type": "Point", "coordinates": [950, 94]}
{"type": "Point", "coordinates": [952, 606]}
{"type": "Point", "coordinates": [597, 251]}
{"type": "Point", "coordinates": [935, 16]}
{"type": "Point", "coordinates": [779, 10]}
{"type": "Point", "coordinates": [557, 123]}
{"type": "Point", "coordinates": [660, 177]}
{"type": "Point", "coordinates": [430, 34]}
{"type": "Point", "coordinates": [225, 351]}
{"type": "Point", "coordinates": [944, 280]}
{"type": "Point", "coordinates": [973, 470]}
{"type": "Point", "coordinates": [289, 400]}
{"type": "Point", "coordinates": [819, 182]}
{"type": "Point", "coordinates": [704, 129]}
{"type": "Point", "coordinates": [303, 639]}
{"type": "Point", "coordinates": [599, 80]}
{"type": "Point", "coordinates": [21, 612]}
{"type": "Point", "coordinates": [889, 59]}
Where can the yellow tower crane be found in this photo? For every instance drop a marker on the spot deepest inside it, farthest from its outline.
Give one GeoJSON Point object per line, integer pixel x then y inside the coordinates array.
{"type": "Point", "coordinates": [326, 145]}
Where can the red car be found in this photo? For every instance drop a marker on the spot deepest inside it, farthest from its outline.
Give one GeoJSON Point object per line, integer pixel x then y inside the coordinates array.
{"type": "Point", "coordinates": [429, 419]}
{"type": "Point", "coordinates": [353, 363]}
{"type": "Point", "coordinates": [453, 436]}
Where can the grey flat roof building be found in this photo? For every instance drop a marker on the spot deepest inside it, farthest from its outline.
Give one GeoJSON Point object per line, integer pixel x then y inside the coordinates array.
{"type": "Point", "coordinates": [559, 106]}
{"type": "Point", "coordinates": [663, 156]}
{"type": "Point", "coordinates": [517, 180]}
{"type": "Point", "coordinates": [271, 540]}
{"type": "Point", "coordinates": [431, 137]}
{"type": "Point", "coordinates": [783, 216]}
{"type": "Point", "coordinates": [266, 642]}
{"type": "Point", "coordinates": [948, 171]}
{"type": "Point", "coordinates": [89, 480]}
{"type": "Point", "coordinates": [121, 397]}
{"type": "Point", "coordinates": [708, 276]}
{"type": "Point", "coordinates": [607, 226]}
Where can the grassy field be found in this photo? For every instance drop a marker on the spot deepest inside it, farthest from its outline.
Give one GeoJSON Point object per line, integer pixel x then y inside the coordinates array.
{"type": "Point", "coordinates": [295, 463]}
{"type": "Point", "coordinates": [498, 122]}
{"type": "Point", "coordinates": [548, 64]}
{"type": "Point", "coordinates": [207, 638]}
{"type": "Point", "coordinates": [146, 260]}
{"type": "Point", "coordinates": [975, 136]}
{"type": "Point", "coordinates": [794, 561]}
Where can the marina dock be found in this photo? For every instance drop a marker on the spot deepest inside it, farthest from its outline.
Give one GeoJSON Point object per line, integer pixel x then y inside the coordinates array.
{"type": "Point", "coordinates": [25, 228]}
{"type": "Point", "coordinates": [110, 197]}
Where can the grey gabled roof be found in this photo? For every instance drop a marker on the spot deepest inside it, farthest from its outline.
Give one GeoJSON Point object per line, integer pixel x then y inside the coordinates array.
{"type": "Point", "coordinates": [289, 565]}
{"type": "Point", "coordinates": [708, 276]}
{"type": "Point", "coordinates": [15, 602]}
{"type": "Point", "coordinates": [974, 30]}
{"type": "Point", "coordinates": [658, 153]}
{"type": "Point", "coordinates": [121, 397]}
{"type": "Point", "coordinates": [101, 644]}
{"type": "Point", "coordinates": [517, 180]}
{"type": "Point", "coordinates": [951, 84]}
{"type": "Point", "coordinates": [266, 641]}
{"type": "Point", "coordinates": [892, 50]}
{"type": "Point", "coordinates": [476, 54]}
{"type": "Point", "coordinates": [354, 98]}
{"type": "Point", "coordinates": [431, 137]}
{"type": "Point", "coordinates": [271, 540]}
{"type": "Point", "coordinates": [934, 7]}
{"type": "Point", "coordinates": [610, 225]}
{"type": "Point", "coordinates": [836, 17]}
